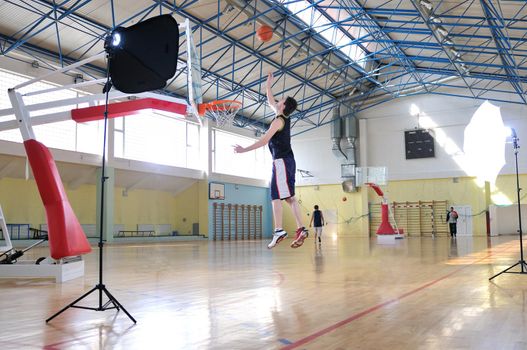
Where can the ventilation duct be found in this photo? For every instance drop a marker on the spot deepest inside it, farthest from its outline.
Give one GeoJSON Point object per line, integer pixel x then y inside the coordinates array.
{"type": "Point", "coordinates": [336, 135]}
{"type": "Point", "coordinates": [343, 136]}
{"type": "Point", "coordinates": [350, 136]}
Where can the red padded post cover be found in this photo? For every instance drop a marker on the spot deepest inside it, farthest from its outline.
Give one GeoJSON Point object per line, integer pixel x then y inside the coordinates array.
{"type": "Point", "coordinates": [376, 188]}
{"type": "Point", "coordinates": [385, 228]}
{"type": "Point", "coordinates": [65, 234]}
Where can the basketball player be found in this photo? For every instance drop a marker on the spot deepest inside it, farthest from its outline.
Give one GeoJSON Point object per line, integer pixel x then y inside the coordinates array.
{"type": "Point", "coordinates": [278, 136]}
{"type": "Point", "coordinates": [318, 219]}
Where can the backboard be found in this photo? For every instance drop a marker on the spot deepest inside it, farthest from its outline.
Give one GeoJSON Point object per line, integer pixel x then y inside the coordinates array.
{"type": "Point", "coordinates": [216, 191]}
{"type": "Point", "coordinates": [376, 175]}
{"type": "Point", "coordinates": [195, 94]}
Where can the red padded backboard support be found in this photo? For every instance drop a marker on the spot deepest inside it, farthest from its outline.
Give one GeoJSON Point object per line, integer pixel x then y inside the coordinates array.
{"type": "Point", "coordinates": [65, 234]}
{"type": "Point", "coordinates": [120, 109]}
{"type": "Point", "coordinates": [376, 188]}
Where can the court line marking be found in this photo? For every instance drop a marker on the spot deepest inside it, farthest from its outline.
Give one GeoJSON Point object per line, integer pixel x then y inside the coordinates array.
{"type": "Point", "coordinates": [356, 316]}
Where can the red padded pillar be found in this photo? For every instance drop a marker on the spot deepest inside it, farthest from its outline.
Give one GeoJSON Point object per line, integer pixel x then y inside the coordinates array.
{"type": "Point", "coordinates": [385, 228]}
{"type": "Point", "coordinates": [65, 234]}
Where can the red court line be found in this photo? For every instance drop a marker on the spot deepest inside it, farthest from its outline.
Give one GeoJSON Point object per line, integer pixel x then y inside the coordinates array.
{"type": "Point", "coordinates": [331, 328]}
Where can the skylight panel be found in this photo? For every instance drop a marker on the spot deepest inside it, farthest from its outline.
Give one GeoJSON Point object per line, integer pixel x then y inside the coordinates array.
{"type": "Point", "coordinates": [332, 33]}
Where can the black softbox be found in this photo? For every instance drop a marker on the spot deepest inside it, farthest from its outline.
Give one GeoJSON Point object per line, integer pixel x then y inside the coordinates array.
{"type": "Point", "coordinates": [144, 56]}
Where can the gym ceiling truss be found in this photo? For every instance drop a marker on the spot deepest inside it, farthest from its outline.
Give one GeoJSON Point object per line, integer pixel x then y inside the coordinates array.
{"type": "Point", "coordinates": [474, 49]}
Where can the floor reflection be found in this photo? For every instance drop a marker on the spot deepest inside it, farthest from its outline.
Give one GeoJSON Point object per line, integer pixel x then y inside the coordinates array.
{"type": "Point", "coordinates": [347, 292]}
{"type": "Point", "coordinates": [453, 248]}
{"type": "Point", "coordinates": [318, 258]}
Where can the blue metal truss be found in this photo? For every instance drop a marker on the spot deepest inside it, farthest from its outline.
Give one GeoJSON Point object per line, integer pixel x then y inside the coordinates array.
{"type": "Point", "coordinates": [497, 27]}
{"type": "Point", "coordinates": [480, 56]}
{"type": "Point", "coordinates": [434, 54]}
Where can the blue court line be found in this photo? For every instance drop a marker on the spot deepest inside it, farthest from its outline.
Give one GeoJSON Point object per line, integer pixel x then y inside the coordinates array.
{"type": "Point", "coordinates": [285, 341]}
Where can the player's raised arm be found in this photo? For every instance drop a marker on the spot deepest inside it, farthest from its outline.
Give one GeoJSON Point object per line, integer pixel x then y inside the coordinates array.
{"type": "Point", "coordinates": [270, 97]}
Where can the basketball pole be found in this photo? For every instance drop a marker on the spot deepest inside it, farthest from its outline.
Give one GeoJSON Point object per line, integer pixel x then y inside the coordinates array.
{"type": "Point", "coordinates": [112, 302]}
{"type": "Point", "coordinates": [521, 262]}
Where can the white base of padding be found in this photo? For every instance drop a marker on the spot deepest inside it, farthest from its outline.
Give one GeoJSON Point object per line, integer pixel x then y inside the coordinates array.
{"type": "Point", "coordinates": [61, 272]}
{"type": "Point", "coordinates": [388, 239]}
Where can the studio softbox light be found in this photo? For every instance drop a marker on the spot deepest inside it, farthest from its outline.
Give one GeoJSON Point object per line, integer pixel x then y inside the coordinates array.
{"type": "Point", "coordinates": [144, 56]}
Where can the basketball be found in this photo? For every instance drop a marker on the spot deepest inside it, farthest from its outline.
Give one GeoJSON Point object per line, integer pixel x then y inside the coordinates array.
{"type": "Point", "coordinates": [344, 199]}
{"type": "Point", "coordinates": [264, 33]}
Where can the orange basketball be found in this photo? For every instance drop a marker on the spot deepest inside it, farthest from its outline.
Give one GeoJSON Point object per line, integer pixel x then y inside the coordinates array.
{"type": "Point", "coordinates": [344, 199]}
{"type": "Point", "coordinates": [264, 33]}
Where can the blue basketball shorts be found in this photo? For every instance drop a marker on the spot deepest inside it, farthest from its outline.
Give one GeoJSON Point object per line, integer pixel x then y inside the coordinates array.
{"type": "Point", "coordinates": [283, 178]}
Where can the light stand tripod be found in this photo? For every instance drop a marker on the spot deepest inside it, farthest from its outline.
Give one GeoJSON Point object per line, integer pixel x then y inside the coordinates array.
{"type": "Point", "coordinates": [144, 57]}
{"type": "Point", "coordinates": [112, 303]}
{"type": "Point", "coordinates": [521, 262]}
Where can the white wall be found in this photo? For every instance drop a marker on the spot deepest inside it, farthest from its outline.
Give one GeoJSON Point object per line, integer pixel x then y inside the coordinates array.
{"type": "Point", "coordinates": [450, 115]}
{"type": "Point", "coordinates": [504, 219]}
{"type": "Point", "coordinates": [385, 125]}
{"type": "Point", "coordinates": [313, 153]}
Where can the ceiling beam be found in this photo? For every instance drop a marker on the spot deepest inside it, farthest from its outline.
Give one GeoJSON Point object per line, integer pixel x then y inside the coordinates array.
{"type": "Point", "coordinates": [503, 46]}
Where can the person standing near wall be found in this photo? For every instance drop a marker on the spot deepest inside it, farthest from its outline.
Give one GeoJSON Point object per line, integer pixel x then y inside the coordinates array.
{"type": "Point", "coordinates": [451, 218]}
{"type": "Point", "coordinates": [318, 219]}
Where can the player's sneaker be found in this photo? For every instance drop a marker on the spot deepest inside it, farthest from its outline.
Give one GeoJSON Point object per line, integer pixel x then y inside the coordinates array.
{"type": "Point", "coordinates": [278, 236]}
{"type": "Point", "coordinates": [301, 235]}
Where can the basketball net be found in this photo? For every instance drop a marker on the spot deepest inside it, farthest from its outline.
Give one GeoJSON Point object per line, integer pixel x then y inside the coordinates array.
{"type": "Point", "coordinates": [222, 111]}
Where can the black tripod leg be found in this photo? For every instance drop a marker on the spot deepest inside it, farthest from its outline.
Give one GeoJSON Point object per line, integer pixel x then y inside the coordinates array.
{"type": "Point", "coordinates": [518, 263]}
{"type": "Point", "coordinates": [102, 288]}
{"type": "Point", "coordinates": [105, 306]}
{"type": "Point", "coordinates": [118, 305]}
{"type": "Point", "coordinates": [73, 303]}
{"type": "Point", "coordinates": [523, 264]}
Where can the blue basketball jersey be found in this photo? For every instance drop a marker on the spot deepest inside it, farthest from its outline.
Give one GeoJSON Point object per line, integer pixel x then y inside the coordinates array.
{"type": "Point", "coordinates": [280, 143]}
{"type": "Point", "coordinates": [317, 218]}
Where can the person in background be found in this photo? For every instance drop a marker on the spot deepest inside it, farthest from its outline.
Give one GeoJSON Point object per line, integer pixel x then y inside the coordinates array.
{"type": "Point", "coordinates": [451, 218]}
{"type": "Point", "coordinates": [318, 220]}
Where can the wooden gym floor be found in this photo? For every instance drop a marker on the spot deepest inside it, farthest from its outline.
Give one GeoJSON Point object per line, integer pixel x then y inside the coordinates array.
{"type": "Point", "coordinates": [348, 293]}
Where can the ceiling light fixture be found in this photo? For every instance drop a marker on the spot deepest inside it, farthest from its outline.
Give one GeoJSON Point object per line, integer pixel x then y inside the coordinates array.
{"type": "Point", "coordinates": [447, 41]}
{"type": "Point", "coordinates": [441, 30]}
{"type": "Point", "coordinates": [455, 52]}
{"type": "Point", "coordinates": [426, 4]}
{"type": "Point", "coordinates": [435, 20]}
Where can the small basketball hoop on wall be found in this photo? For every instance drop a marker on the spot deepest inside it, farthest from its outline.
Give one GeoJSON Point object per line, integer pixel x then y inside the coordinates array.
{"type": "Point", "coordinates": [221, 111]}
{"type": "Point", "coordinates": [216, 191]}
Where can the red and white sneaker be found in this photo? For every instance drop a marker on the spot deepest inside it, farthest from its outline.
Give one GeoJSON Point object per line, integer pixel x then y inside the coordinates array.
{"type": "Point", "coordinates": [301, 235]}
{"type": "Point", "coordinates": [278, 236]}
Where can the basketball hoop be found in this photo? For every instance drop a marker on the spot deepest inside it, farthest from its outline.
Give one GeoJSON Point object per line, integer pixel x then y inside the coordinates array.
{"type": "Point", "coordinates": [221, 111]}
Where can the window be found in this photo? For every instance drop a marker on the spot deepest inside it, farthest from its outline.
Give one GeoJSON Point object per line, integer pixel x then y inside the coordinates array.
{"type": "Point", "coordinates": [151, 137]}
{"type": "Point", "coordinates": [157, 138]}
{"type": "Point", "coordinates": [255, 164]}
{"type": "Point", "coordinates": [67, 135]}
{"type": "Point", "coordinates": [337, 36]}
